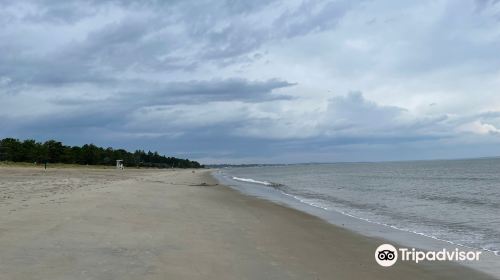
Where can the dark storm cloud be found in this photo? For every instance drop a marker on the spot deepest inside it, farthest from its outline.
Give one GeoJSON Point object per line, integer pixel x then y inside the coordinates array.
{"type": "Point", "coordinates": [98, 58]}
{"type": "Point", "coordinates": [144, 93]}
{"type": "Point", "coordinates": [311, 16]}
{"type": "Point", "coordinates": [116, 112]}
{"type": "Point", "coordinates": [216, 90]}
{"type": "Point", "coordinates": [241, 37]}
{"type": "Point", "coordinates": [150, 36]}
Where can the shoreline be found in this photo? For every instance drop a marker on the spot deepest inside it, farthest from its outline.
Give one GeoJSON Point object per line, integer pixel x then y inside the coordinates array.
{"type": "Point", "coordinates": [177, 224]}
{"type": "Point", "coordinates": [370, 229]}
{"type": "Point", "coordinates": [489, 261]}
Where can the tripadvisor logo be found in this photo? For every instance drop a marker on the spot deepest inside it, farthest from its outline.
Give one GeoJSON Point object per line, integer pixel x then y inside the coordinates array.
{"type": "Point", "coordinates": [387, 255]}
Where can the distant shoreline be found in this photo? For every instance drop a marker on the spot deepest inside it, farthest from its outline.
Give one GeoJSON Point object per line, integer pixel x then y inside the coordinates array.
{"type": "Point", "coordinates": [346, 162]}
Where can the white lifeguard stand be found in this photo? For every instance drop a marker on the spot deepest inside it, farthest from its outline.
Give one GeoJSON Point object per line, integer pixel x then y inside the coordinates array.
{"type": "Point", "coordinates": [119, 164]}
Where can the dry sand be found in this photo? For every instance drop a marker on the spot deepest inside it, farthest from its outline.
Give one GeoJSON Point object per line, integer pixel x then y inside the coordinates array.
{"type": "Point", "coordinates": [173, 224]}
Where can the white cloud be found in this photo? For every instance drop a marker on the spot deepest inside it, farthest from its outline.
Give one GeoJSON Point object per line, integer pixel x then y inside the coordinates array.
{"type": "Point", "coordinates": [478, 127]}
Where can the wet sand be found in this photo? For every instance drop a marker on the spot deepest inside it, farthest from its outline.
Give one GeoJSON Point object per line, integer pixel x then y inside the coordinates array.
{"type": "Point", "coordinates": [173, 224]}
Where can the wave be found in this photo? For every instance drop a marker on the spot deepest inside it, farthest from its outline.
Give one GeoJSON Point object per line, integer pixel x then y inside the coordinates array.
{"type": "Point", "coordinates": [265, 183]}
{"type": "Point", "coordinates": [460, 200]}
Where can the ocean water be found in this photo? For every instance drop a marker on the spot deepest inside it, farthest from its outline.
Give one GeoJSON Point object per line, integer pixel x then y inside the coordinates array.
{"type": "Point", "coordinates": [457, 201]}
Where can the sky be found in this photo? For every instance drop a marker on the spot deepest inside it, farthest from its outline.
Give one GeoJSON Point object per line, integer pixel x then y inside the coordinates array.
{"type": "Point", "coordinates": [255, 81]}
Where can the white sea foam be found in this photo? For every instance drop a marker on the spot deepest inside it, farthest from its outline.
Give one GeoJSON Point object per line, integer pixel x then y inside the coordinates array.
{"type": "Point", "coordinates": [252, 181]}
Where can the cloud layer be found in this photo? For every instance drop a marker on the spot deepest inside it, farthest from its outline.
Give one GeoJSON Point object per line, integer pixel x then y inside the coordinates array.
{"type": "Point", "coordinates": [255, 81]}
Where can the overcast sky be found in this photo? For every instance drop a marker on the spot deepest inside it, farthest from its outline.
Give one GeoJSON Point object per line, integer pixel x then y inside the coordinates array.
{"type": "Point", "coordinates": [255, 81]}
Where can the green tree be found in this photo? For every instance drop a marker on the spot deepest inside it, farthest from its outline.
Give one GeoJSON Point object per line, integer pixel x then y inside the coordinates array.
{"type": "Point", "coordinates": [54, 151]}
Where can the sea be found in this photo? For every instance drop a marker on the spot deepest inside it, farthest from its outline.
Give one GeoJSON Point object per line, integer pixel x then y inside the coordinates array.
{"type": "Point", "coordinates": [424, 203]}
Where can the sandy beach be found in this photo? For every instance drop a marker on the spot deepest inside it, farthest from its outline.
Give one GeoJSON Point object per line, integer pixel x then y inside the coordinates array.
{"type": "Point", "coordinates": [86, 223]}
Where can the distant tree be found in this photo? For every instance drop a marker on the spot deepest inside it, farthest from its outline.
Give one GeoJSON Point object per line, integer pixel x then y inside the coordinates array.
{"type": "Point", "coordinates": [11, 149]}
{"type": "Point", "coordinates": [30, 150]}
{"type": "Point", "coordinates": [55, 152]}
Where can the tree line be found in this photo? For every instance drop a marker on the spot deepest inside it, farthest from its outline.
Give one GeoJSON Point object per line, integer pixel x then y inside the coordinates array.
{"type": "Point", "coordinates": [53, 151]}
